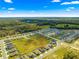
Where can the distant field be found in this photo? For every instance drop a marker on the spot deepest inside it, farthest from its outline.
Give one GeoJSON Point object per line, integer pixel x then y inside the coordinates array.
{"type": "Point", "coordinates": [12, 26]}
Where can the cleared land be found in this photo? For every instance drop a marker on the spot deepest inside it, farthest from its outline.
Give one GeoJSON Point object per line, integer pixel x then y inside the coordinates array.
{"type": "Point", "coordinates": [25, 46]}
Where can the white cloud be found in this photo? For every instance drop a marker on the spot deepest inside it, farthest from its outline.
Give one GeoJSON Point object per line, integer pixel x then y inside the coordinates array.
{"type": "Point", "coordinates": [9, 12]}
{"type": "Point", "coordinates": [11, 9]}
{"type": "Point", "coordinates": [8, 1]}
{"type": "Point", "coordinates": [72, 2]}
{"type": "Point", "coordinates": [55, 0]}
{"type": "Point", "coordinates": [70, 9]}
{"type": "Point", "coordinates": [40, 15]}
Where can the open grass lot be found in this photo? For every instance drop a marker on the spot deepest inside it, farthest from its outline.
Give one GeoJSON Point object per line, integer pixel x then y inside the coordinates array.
{"type": "Point", "coordinates": [61, 51]}
{"type": "Point", "coordinates": [58, 54]}
{"type": "Point", "coordinates": [25, 46]}
{"type": "Point", "coordinates": [75, 44]}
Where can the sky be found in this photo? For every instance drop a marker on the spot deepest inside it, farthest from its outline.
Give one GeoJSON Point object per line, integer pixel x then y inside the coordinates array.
{"type": "Point", "coordinates": [39, 8]}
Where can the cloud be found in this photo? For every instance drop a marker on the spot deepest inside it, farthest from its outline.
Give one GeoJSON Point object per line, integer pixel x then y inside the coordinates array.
{"type": "Point", "coordinates": [70, 9]}
{"type": "Point", "coordinates": [68, 3]}
{"type": "Point", "coordinates": [9, 12]}
{"type": "Point", "coordinates": [11, 9]}
{"type": "Point", "coordinates": [55, 0]}
{"type": "Point", "coordinates": [8, 1]}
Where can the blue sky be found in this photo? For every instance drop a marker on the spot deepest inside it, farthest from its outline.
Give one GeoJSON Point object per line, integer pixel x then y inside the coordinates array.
{"type": "Point", "coordinates": [39, 8]}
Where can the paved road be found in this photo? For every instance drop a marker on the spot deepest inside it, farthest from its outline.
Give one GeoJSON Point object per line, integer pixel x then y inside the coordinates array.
{"type": "Point", "coordinates": [4, 54]}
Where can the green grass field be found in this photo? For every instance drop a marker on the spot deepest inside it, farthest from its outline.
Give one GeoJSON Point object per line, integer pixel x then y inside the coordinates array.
{"type": "Point", "coordinates": [26, 46]}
